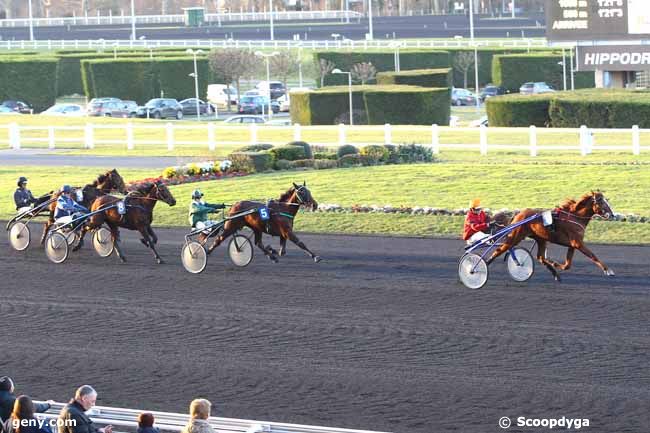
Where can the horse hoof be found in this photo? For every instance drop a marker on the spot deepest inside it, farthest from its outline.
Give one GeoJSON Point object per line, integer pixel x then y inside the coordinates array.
{"type": "Point", "coordinates": [557, 278]}
{"type": "Point", "coordinates": [283, 253]}
{"type": "Point", "coordinates": [144, 242]}
{"type": "Point", "coordinates": [160, 261]}
{"type": "Point", "coordinates": [609, 273]}
{"type": "Point", "coordinates": [317, 259]}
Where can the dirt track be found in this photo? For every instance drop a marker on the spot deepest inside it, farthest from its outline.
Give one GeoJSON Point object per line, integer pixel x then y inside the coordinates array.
{"type": "Point", "coordinates": [380, 335]}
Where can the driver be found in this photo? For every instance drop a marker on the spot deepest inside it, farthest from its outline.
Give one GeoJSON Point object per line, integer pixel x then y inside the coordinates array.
{"type": "Point", "coordinates": [66, 208]}
{"type": "Point", "coordinates": [199, 210]}
{"type": "Point", "coordinates": [23, 197]}
{"type": "Point", "coordinates": [476, 223]}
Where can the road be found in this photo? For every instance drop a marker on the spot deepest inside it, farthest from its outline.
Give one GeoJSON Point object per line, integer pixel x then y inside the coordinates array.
{"type": "Point", "coordinates": [44, 157]}
{"type": "Point", "coordinates": [380, 335]}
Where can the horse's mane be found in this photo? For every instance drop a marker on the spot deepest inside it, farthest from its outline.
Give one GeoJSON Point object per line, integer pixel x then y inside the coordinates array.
{"type": "Point", "coordinates": [572, 205]}
{"type": "Point", "coordinates": [142, 188]}
{"type": "Point", "coordinates": [287, 195]}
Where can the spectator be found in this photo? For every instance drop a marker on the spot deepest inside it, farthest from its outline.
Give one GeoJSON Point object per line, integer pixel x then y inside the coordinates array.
{"type": "Point", "coordinates": [7, 399]}
{"type": "Point", "coordinates": [145, 423]}
{"type": "Point", "coordinates": [199, 414]}
{"type": "Point", "coordinates": [73, 418]}
{"type": "Point", "coordinates": [22, 419]}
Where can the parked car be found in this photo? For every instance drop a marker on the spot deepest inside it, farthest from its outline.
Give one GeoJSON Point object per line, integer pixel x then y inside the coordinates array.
{"type": "Point", "coordinates": [65, 110]}
{"type": "Point", "coordinates": [462, 97]}
{"type": "Point", "coordinates": [482, 121]}
{"type": "Point", "coordinates": [491, 91]}
{"type": "Point", "coordinates": [276, 88]}
{"type": "Point", "coordinates": [285, 102]}
{"type": "Point", "coordinates": [535, 88]}
{"type": "Point", "coordinates": [111, 108]}
{"type": "Point", "coordinates": [95, 100]}
{"type": "Point", "coordinates": [6, 110]}
{"type": "Point", "coordinates": [131, 107]}
{"type": "Point", "coordinates": [189, 107]}
{"type": "Point", "coordinates": [160, 108]}
{"type": "Point", "coordinates": [285, 121]}
{"type": "Point", "coordinates": [18, 106]}
{"type": "Point", "coordinates": [257, 104]}
{"type": "Point", "coordinates": [245, 119]}
{"type": "Point", "coordinates": [218, 95]}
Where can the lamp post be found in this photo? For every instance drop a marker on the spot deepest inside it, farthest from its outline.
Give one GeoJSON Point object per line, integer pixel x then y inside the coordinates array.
{"type": "Point", "coordinates": [471, 35]}
{"type": "Point", "coordinates": [336, 36]}
{"type": "Point", "coordinates": [271, 18]}
{"type": "Point", "coordinates": [396, 45]}
{"type": "Point", "coordinates": [196, 80]}
{"type": "Point", "coordinates": [133, 20]}
{"type": "Point", "coordinates": [300, 64]}
{"type": "Point", "coordinates": [370, 19]}
{"type": "Point", "coordinates": [338, 71]}
{"type": "Point", "coordinates": [31, 22]}
{"type": "Point", "coordinates": [267, 57]}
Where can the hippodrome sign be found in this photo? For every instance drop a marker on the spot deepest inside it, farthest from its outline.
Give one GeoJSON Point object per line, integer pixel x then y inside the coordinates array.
{"type": "Point", "coordinates": [614, 58]}
{"type": "Point", "coordinates": [594, 20]}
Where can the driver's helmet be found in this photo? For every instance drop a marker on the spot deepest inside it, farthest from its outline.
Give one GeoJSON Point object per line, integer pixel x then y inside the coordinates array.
{"type": "Point", "coordinates": [197, 194]}
{"type": "Point", "coordinates": [475, 203]}
{"type": "Point", "coordinates": [21, 180]}
{"type": "Point", "coordinates": [66, 189]}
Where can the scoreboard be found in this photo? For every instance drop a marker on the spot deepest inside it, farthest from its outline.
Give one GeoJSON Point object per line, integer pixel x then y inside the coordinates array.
{"type": "Point", "coordinates": [597, 20]}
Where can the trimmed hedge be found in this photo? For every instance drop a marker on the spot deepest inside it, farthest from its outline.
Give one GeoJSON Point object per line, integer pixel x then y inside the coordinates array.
{"type": "Point", "coordinates": [322, 107]}
{"type": "Point", "coordinates": [288, 153]}
{"type": "Point", "coordinates": [519, 110]}
{"type": "Point", "coordinates": [173, 77]}
{"type": "Point", "coordinates": [347, 149]}
{"type": "Point", "coordinates": [251, 162]}
{"type": "Point", "coordinates": [306, 147]}
{"type": "Point", "coordinates": [418, 77]}
{"type": "Point", "coordinates": [31, 79]}
{"type": "Point", "coordinates": [513, 70]}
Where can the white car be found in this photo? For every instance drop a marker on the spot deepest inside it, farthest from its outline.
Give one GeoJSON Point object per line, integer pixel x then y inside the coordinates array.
{"type": "Point", "coordinates": [280, 122]}
{"type": "Point", "coordinates": [218, 95]}
{"type": "Point", "coordinates": [73, 110]}
{"type": "Point", "coordinates": [244, 119]}
{"type": "Point", "coordinates": [285, 102]}
{"type": "Point", "coordinates": [482, 121]}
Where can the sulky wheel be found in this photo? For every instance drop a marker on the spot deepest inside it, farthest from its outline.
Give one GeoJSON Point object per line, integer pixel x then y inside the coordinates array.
{"type": "Point", "coordinates": [103, 242]}
{"type": "Point", "coordinates": [19, 236]}
{"type": "Point", "coordinates": [194, 257]}
{"type": "Point", "coordinates": [240, 250]}
{"type": "Point", "coordinates": [523, 267]}
{"type": "Point", "coordinates": [472, 271]}
{"type": "Point", "coordinates": [56, 247]}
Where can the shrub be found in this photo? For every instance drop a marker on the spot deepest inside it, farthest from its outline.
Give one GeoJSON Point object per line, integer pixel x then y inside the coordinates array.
{"type": "Point", "coordinates": [193, 170]}
{"type": "Point", "coordinates": [290, 153]}
{"type": "Point", "coordinates": [410, 153]}
{"type": "Point", "coordinates": [325, 155]}
{"type": "Point", "coordinates": [282, 164]}
{"type": "Point", "coordinates": [169, 172]}
{"type": "Point", "coordinates": [418, 77]}
{"type": "Point", "coordinates": [346, 149]}
{"type": "Point", "coordinates": [349, 160]}
{"type": "Point", "coordinates": [323, 164]}
{"type": "Point", "coordinates": [407, 105]}
{"type": "Point", "coordinates": [305, 146]}
{"type": "Point", "coordinates": [519, 110]}
{"type": "Point", "coordinates": [393, 154]}
{"type": "Point", "coordinates": [31, 79]}
{"type": "Point", "coordinates": [374, 153]}
{"type": "Point", "coordinates": [302, 163]}
{"type": "Point", "coordinates": [255, 147]}
{"type": "Point", "coordinates": [251, 162]}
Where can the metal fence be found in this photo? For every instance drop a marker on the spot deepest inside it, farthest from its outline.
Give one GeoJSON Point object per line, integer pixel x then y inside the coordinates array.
{"type": "Point", "coordinates": [167, 136]}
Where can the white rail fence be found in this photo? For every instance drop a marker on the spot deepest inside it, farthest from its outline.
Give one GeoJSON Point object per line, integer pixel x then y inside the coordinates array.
{"type": "Point", "coordinates": [106, 44]}
{"type": "Point", "coordinates": [126, 420]}
{"type": "Point", "coordinates": [174, 136]}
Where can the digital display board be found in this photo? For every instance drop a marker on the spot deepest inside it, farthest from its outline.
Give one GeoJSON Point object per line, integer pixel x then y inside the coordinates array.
{"type": "Point", "coordinates": [606, 20]}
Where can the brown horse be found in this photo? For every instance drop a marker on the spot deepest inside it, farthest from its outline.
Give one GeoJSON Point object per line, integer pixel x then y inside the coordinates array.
{"type": "Point", "coordinates": [282, 213]}
{"type": "Point", "coordinates": [570, 220]}
{"type": "Point", "coordinates": [105, 183]}
{"type": "Point", "coordinates": [139, 206]}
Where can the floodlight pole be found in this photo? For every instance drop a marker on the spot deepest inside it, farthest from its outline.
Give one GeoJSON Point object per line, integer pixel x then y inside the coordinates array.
{"type": "Point", "coordinates": [564, 67]}
{"type": "Point", "coordinates": [370, 20]}
{"type": "Point", "coordinates": [271, 18]}
{"type": "Point", "coordinates": [267, 58]}
{"type": "Point", "coordinates": [338, 71]}
{"type": "Point", "coordinates": [31, 22]}
{"type": "Point", "coordinates": [133, 20]}
{"type": "Point", "coordinates": [196, 81]}
{"type": "Point", "coordinates": [471, 35]}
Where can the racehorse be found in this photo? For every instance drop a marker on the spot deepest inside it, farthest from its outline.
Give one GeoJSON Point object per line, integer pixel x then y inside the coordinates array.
{"type": "Point", "coordinates": [139, 205]}
{"type": "Point", "coordinates": [105, 183]}
{"type": "Point", "coordinates": [570, 220]}
{"type": "Point", "coordinates": [282, 213]}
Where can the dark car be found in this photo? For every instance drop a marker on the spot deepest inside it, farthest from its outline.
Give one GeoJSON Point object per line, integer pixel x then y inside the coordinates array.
{"type": "Point", "coordinates": [111, 108]}
{"type": "Point", "coordinates": [19, 106]}
{"type": "Point", "coordinates": [257, 104]}
{"type": "Point", "coordinates": [462, 97]}
{"type": "Point", "coordinates": [492, 91]}
{"type": "Point", "coordinates": [160, 108]}
{"type": "Point", "coordinates": [131, 107]}
{"type": "Point", "coordinates": [189, 107]}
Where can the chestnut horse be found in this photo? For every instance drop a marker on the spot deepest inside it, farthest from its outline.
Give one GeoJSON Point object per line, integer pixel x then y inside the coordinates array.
{"type": "Point", "coordinates": [282, 213]}
{"type": "Point", "coordinates": [570, 222]}
{"type": "Point", "coordinates": [139, 206]}
{"type": "Point", "coordinates": [105, 183]}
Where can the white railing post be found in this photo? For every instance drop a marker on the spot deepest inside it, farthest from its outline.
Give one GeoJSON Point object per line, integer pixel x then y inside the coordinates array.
{"type": "Point", "coordinates": [341, 134]}
{"type": "Point", "coordinates": [297, 133]}
{"type": "Point", "coordinates": [636, 140]}
{"type": "Point", "coordinates": [435, 139]}
{"type": "Point", "coordinates": [129, 136]}
{"type": "Point", "coordinates": [89, 136]}
{"type": "Point", "coordinates": [484, 141]}
{"type": "Point", "coordinates": [14, 136]}
{"type": "Point", "coordinates": [212, 144]}
{"type": "Point", "coordinates": [253, 129]}
{"type": "Point", "coordinates": [170, 136]}
{"type": "Point", "coordinates": [584, 149]}
{"type": "Point", "coordinates": [532, 140]}
{"type": "Point", "coordinates": [388, 134]}
{"type": "Point", "coordinates": [50, 137]}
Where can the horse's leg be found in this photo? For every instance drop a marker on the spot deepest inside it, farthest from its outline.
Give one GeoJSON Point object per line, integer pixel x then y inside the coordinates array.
{"type": "Point", "coordinates": [46, 229]}
{"type": "Point", "coordinates": [541, 257]}
{"type": "Point", "coordinates": [144, 231]}
{"type": "Point", "coordinates": [569, 260]}
{"type": "Point", "coordinates": [587, 252]}
{"type": "Point", "coordinates": [516, 236]}
{"type": "Point", "coordinates": [84, 230]}
{"type": "Point", "coordinates": [283, 246]}
{"type": "Point", "coordinates": [115, 234]}
{"type": "Point", "coordinates": [152, 235]}
{"type": "Point", "coordinates": [293, 238]}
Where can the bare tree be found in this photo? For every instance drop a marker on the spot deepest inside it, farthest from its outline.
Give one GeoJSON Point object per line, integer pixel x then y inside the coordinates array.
{"type": "Point", "coordinates": [325, 68]}
{"type": "Point", "coordinates": [363, 72]}
{"type": "Point", "coordinates": [231, 65]}
{"type": "Point", "coordinates": [283, 65]}
{"type": "Point", "coordinates": [463, 61]}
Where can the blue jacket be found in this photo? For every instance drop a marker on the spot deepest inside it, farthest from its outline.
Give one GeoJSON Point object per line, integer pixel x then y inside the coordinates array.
{"type": "Point", "coordinates": [66, 206]}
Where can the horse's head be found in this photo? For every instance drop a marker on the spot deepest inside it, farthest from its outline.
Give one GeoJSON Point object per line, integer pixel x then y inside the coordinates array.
{"type": "Point", "coordinates": [113, 181]}
{"type": "Point", "coordinates": [303, 197]}
{"type": "Point", "coordinates": [600, 205]}
{"type": "Point", "coordinates": [162, 193]}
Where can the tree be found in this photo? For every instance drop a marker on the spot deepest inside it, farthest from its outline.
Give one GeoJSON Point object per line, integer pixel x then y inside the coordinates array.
{"type": "Point", "coordinates": [363, 72]}
{"type": "Point", "coordinates": [283, 65]}
{"type": "Point", "coordinates": [231, 65]}
{"type": "Point", "coordinates": [325, 68]}
{"type": "Point", "coordinates": [463, 61]}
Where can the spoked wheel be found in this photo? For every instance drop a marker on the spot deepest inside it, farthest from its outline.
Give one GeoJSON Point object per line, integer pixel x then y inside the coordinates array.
{"type": "Point", "coordinates": [72, 237]}
{"type": "Point", "coordinates": [19, 236]}
{"type": "Point", "coordinates": [472, 271]}
{"type": "Point", "coordinates": [56, 247]}
{"type": "Point", "coordinates": [103, 242]}
{"type": "Point", "coordinates": [240, 250]}
{"type": "Point", "coordinates": [194, 257]}
{"type": "Point", "coordinates": [523, 267]}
